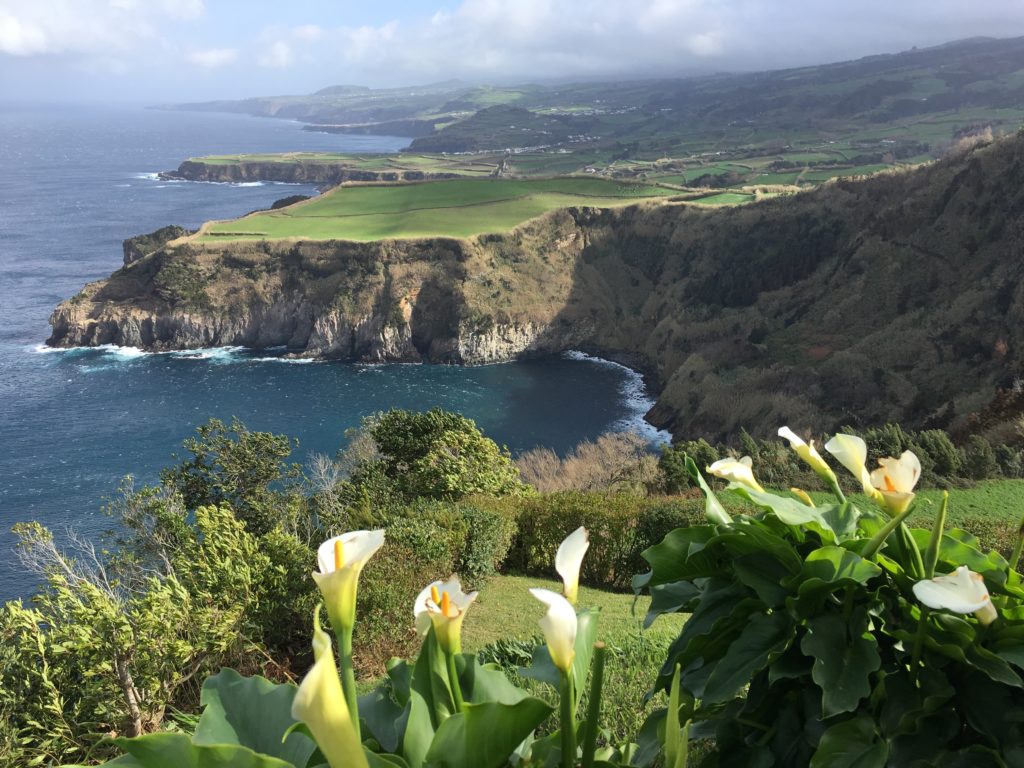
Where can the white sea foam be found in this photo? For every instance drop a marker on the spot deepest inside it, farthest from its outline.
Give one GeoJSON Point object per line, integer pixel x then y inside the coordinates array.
{"type": "Point", "coordinates": [635, 397]}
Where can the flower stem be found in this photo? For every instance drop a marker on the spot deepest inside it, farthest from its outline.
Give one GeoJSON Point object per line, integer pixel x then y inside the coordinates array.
{"type": "Point", "coordinates": [568, 720]}
{"type": "Point", "coordinates": [594, 705]}
{"type": "Point", "coordinates": [453, 680]}
{"type": "Point", "coordinates": [1015, 557]}
{"type": "Point", "coordinates": [833, 483]}
{"type": "Point", "coordinates": [922, 628]}
{"type": "Point", "coordinates": [879, 538]}
{"type": "Point", "coordinates": [348, 676]}
{"type": "Point", "coordinates": [931, 557]}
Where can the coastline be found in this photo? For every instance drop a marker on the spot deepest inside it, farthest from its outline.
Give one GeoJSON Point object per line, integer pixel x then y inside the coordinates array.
{"type": "Point", "coordinates": [635, 394]}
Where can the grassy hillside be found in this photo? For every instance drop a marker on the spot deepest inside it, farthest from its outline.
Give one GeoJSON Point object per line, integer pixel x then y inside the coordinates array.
{"type": "Point", "coordinates": [457, 208]}
{"type": "Point", "coordinates": [719, 131]}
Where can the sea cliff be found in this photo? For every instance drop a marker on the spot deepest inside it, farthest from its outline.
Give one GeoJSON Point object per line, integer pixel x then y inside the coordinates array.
{"type": "Point", "coordinates": [290, 172]}
{"type": "Point", "coordinates": [898, 297]}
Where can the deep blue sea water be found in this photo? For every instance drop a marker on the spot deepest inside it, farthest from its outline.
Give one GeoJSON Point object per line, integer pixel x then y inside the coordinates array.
{"type": "Point", "coordinates": [74, 182]}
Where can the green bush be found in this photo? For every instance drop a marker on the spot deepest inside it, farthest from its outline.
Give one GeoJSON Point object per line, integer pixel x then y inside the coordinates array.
{"type": "Point", "coordinates": [489, 535]}
{"type": "Point", "coordinates": [943, 456]}
{"type": "Point", "coordinates": [979, 458]}
{"type": "Point", "coordinates": [620, 526]}
{"type": "Point", "coordinates": [423, 543]}
{"type": "Point", "coordinates": [1009, 460]}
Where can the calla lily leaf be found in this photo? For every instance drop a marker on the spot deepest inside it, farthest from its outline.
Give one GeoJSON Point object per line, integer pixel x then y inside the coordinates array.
{"type": "Point", "coordinates": [851, 744]}
{"type": "Point", "coordinates": [765, 637]}
{"type": "Point", "coordinates": [176, 750]}
{"type": "Point", "coordinates": [252, 712]}
{"type": "Point", "coordinates": [484, 735]}
{"type": "Point", "coordinates": [845, 654]}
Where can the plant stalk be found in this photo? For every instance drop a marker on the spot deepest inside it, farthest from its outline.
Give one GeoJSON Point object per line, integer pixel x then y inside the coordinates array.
{"type": "Point", "coordinates": [932, 555]}
{"type": "Point", "coordinates": [594, 705]}
{"type": "Point", "coordinates": [879, 538]}
{"type": "Point", "coordinates": [833, 483]}
{"type": "Point", "coordinates": [453, 679]}
{"type": "Point", "coordinates": [348, 676]}
{"type": "Point", "coordinates": [567, 708]}
{"type": "Point", "coordinates": [1015, 557]}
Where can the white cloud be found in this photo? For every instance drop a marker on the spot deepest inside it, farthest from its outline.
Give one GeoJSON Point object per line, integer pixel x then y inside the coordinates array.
{"type": "Point", "coordinates": [278, 55]}
{"type": "Point", "coordinates": [99, 27]}
{"type": "Point", "coordinates": [212, 58]}
{"type": "Point", "coordinates": [548, 39]}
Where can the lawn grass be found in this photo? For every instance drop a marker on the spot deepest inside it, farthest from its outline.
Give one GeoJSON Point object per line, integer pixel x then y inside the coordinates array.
{"type": "Point", "coordinates": [450, 208]}
{"type": "Point", "coordinates": [505, 609]}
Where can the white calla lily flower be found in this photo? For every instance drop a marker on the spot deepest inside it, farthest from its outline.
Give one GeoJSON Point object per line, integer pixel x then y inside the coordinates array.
{"type": "Point", "coordinates": [852, 452]}
{"type": "Point", "coordinates": [808, 453]}
{"type": "Point", "coordinates": [341, 559]}
{"type": "Point", "coordinates": [736, 471]}
{"type": "Point", "coordinates": [568, 560]}
{"type": "Point", "coordinates": [962, 591]}
{"type": "Point", "coordinates": [443, 604]}
{"type": "Point", "coordinates": [320, 704]}
{"type": "Point", "coordinates": [895, 480]}
{"type": "Point", "coordinates": [559, 626]}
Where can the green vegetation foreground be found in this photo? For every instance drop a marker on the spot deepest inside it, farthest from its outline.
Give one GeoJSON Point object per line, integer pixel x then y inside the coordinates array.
{"type": "Point", "coordinates": [211, 569]}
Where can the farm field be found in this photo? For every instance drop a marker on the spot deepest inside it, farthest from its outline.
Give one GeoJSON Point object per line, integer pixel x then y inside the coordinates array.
{"type": "Point", "coordinates": [451, 208]}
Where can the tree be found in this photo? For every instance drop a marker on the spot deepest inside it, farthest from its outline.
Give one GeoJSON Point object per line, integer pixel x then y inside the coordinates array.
{"type": "Point", "coordinates": [232, 465]}
{"type": "Point", "coordinates": [438, 454]}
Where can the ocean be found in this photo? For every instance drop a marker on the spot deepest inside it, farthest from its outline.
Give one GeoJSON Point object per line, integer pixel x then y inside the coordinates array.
{"type": "Point", "coordinates": [74, 183]}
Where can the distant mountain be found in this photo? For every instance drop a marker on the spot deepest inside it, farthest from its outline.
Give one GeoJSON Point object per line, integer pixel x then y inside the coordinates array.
{"type": "Point", "coordinates": [979, 79]}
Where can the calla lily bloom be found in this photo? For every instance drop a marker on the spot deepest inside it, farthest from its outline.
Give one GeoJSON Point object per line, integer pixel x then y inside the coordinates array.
{"type": "Point", "coordinates": [320, 704]}
{"type": "Point", "coordinates": [801, 494]}
{"type": "Point", "coordinates": [962, 591]}
{"type": "Point", "coordinates": [808, 453]}
{"type": "Point", "coordinates": [736, 471]}
{"type": "Point", "coordinates": [852, 452]}
{"type": "Point", "coordinates": [341, 560]}
{"type": "Point", "coordinates": [568, 560]}
{"type": "Point", "coordinates": [559, 627]}
{"type": "Point", "coordinates": [895, 480]}
{"type": "Point", "coordinates": [443, 604]}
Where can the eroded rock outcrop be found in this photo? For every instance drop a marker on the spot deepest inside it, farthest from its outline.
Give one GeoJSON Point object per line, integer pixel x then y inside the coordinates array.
{"type": "Point", "coordinates": [290, 172]}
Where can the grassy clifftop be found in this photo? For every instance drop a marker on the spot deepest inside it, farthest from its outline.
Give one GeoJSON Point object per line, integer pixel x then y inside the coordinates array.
{"type": "Point", "coordinates": [455, 208]}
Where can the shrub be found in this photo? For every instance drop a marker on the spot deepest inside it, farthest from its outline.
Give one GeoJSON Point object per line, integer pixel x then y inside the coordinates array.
{"type": "Point", "coordinates": [1009, 460]}
{"type": "Point", "coordinates": [944, 457]}
{"type": "Point", "coordinates": [979, 458]}
{"type": "Point", "coordinates": [673, 462]}
{"type": "Point", "coordinates": [489, 535]}
{"type": "Point", "coordinates": [424, 541]}
{"type": "Point", "coordinates": [621, 526]}
{"type": "Point", "coordinates": [438, 455]}
{"type": "Point", "coordinates": [616, 460]}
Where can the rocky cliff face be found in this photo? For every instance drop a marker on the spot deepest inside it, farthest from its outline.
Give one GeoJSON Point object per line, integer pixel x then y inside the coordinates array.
{"type": "Point", "coordinates": [298, 172]}
{"type": "Point", "coordinates": [409, 301]}
{"type": "Point", "coordinates": [897, 298]}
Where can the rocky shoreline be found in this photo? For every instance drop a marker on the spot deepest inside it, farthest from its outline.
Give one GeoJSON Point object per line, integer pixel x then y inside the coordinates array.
{"type": "Point", "coordinates": [292, 172]}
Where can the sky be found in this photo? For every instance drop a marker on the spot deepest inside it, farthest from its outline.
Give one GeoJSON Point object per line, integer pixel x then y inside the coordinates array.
{"type": "Point", "coordinates": [161, 51]}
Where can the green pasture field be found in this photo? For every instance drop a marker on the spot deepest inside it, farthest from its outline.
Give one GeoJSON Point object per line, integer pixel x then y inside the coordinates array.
{"type": "Point", "coordinates": [724, 198]}
{"type": "Point", "coordinates": [451, 208]}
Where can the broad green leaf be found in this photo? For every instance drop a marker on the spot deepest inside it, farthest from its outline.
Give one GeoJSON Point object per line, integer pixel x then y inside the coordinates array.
{"type": "Point", "coordinates": [853, 743]}
{"type": "Point", "coordinates": [669, 598]}
{"type": "Point", "coordinates": [713, 509]}
{"type": "Point", "coordinates": [790, 511]}
{"type": "Point", "coordinates": [958, 547]}
{"type": "Point", "coordinates": [383, 717]}
{"type": "Point", "coordinates": [430, 680]}
{"type": "Point", "coordinates": [681, 556]}
{"type": "Point", "coordinates": [486, 682]}
{"type": "Point", "coordinates": [827, 569]}
{"type": "Point", "coordinates": [766, 637]}
{"type": "Point", "coordinates": [845, 654]}
{"type": "Point", "coordinates": [176, 750]}
{"type": "Point", "coordinates": [253, 712]}
{"type": "Point", "coordinates": [484, 735]}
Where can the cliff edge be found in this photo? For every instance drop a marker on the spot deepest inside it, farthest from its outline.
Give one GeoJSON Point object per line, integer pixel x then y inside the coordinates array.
{"type": "Point", "coordinates": [897, 297]}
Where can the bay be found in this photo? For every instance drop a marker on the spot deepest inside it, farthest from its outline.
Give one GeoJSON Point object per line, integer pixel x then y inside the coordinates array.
{"type": "Point", "coordinates": [75, 182]}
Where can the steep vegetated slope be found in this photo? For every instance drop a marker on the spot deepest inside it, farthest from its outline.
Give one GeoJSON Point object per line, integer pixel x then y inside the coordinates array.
{"type": "Point", "coordinates": [895, 297]}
